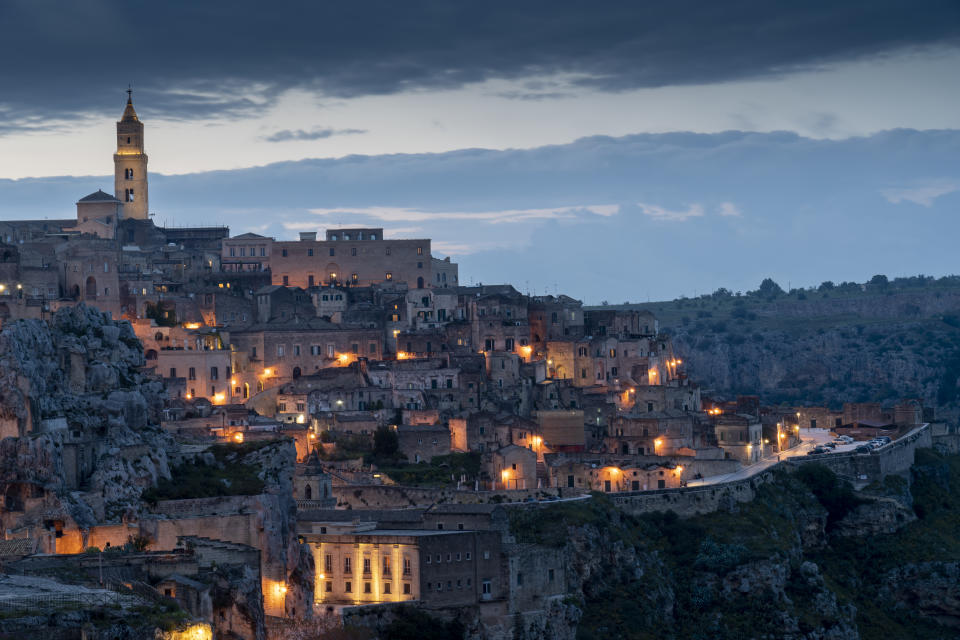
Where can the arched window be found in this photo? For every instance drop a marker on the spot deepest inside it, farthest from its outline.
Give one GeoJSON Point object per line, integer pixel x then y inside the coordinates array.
{"type": "Point", "coordinates": [308, 492]}
{"type": "Point", "coordinates": [296, 372]}
{"type": "Point", "coordinates": [91, 290]}
{"type": "Point", "coordinates": [420, 282]}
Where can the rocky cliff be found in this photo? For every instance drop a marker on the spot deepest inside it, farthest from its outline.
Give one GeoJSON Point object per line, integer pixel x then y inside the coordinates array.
{"type": "Point", "coordinates": [81, 420]}
{"type": "Point", "coordinates": [823, 347]}
{"type": "Point", "coordinates": [808, 559]}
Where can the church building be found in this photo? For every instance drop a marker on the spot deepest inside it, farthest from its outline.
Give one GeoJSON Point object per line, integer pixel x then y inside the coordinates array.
{"type": "Point", "coordinates": [99, 213]}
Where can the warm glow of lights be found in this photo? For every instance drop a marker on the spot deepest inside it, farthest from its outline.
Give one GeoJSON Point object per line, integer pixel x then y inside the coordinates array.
{"type": "Point", "coordinates": [191, 325]}
{"type": "Point", "coordinates": [313, 436]}
{"type": "Point", "coordinates": [403, 355]}
{"type": "Point", "coordinates": [679, 361]}
{"type": "Point", "coordinates": [343, 358]}
{"type": "Point", "coordinates": [537, 440]}
{"type": "Point", "coordinates": [779, 435]}
{"type": "Point", "coordinates": [505, 475]}
{"type": "Point", "coordinates": [679, 469]}
{"type": "Point", "coordinates": [197, 631]}
{"type": "Point", "coordinates": [323, 576]}
{"type": "Point", "coordinates": [238, 437]}
{"type": "Point", "coordinates": [301, 419]}
{"type": "Point", "coordinates": [657, 442]}
{"type": "Point", "coordinates": [281, 589]}
{"type": "Point", "coordinates": [614, 471]}
{"type": "Point", "coordinates": [189, 396]}
{"type": "Point", "coordinates": [219, 398]}
{"type": "Point", "coordinates": [396, 332]}
{"type": "Point", "coordinates": [267, 372]}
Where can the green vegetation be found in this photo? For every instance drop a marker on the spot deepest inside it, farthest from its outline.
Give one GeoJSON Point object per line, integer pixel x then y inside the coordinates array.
{"type": "Point", "coordinates": [685, 562]}
{"type": "Point", "coordinates": [889, 322]}
{"type": "Point", "coordinates": [411, 623]}
{"type": "Point", "coordinates": [225, 477]}
{"type": "Point", "coordinates": [442, 471]}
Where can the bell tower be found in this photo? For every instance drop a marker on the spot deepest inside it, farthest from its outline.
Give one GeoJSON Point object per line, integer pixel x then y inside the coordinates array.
{"type": "Point", "coordinates": [130, 164]}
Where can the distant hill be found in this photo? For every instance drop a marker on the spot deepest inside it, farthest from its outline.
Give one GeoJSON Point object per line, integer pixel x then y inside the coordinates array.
{"type": "Point", "coordinates": [879, 341]}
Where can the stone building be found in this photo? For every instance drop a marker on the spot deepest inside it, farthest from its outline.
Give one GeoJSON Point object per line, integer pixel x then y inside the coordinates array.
{"type": "Point", "coordinates": [360, 564]}
{"type": "Point", "coordinates": [351, 257]}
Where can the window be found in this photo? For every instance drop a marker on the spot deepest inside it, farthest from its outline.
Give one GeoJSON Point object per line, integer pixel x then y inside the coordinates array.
{"type": "Point", "coordinates": [366, 587]}
{"type": "Point", "coordinates": [296, 350]}
{"type": "Point", "coordinates": [420, 266]}
{"type": "Point", "coordinates": [469, 555]}
{"type": "Point", "coordinates": [233, 252]}
{"type": "Point", "coordinates": [429, 558]}
{"type": "Point", "coordinates": [486, 555]}
{"type": "Point", "coordinates": [347, 568]}
{"type": "Point", "coordinates": [329, 587]}
{"type": "Point", "coordinates": [439, 526]}
{"type": "Point", "coordinates": [283, 252]}
{"type": "Point", "coordinates": [419, 251]}
{"type": "Point", "coordinates": [213, 373]}
{"type": "Point", "coordinates": [243, 252]}
{"type": "Point", "coordinates": [333, 251]}
{"type": "Point", "coordinates": [458, 556]}
{"type": "Point", "coordinates": [406, 566]}
{"type": "Point", "coordinates": [286, 279]}
{"type": "Point", "coordinates": [192, 373]}
{"type": "Point", "coordinates": [386, 565]}
{"type": "Point", "coordinates": [328, 563]}
{"type": "Point", "coordinates": [386, 587]}
{"type": "Point", "coordinates": [550, 575]}
{"type": "Point", "coordinates": [173, 372]}
{"type": "Point", "coordinates": [366, 565]}
{"type": "Point", "coordinates": [406, 588]}
{"type": "Point", "coordinates": [310, 252]}
{"type": "Point", "coordinates": [263, 252]}
{"type": "Point", "coordinates": [354, 277]}
{"type": "Point", "coordinates": [373, 348]}
{"type": "Point", "coordinates": [310, 280]}
{"type": "Point", "coordinates": [355, 348]}
{"type": "Point", "coordinates": [353, 251]}
{"type": "Point", "coordinates": [519, 578]}
{"type": "Point", "coordinates": [485, 588]}
{"type": "Point", "coordinates": [348, 587]}
{"type": "Point", "coordinates": [280, 350]}
{"type": "Point", "coordinates": [389, 276]}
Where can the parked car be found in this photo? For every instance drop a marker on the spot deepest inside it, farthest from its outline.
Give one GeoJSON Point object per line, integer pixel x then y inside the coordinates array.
{"type": "Point", "coordinates": [816, 451]}
{"type": "Point", "coordinates": [864, 448]}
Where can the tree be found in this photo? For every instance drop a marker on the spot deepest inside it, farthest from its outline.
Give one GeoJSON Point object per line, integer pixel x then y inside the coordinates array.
{"type": "Point", "coordinates": [826, 285]}
{"type": "Point", "coordinates": [880, 281]}
{"type": "Point", "coordinates": [385, 442]}
{"type": "Point", "coordinates": [769, 289]}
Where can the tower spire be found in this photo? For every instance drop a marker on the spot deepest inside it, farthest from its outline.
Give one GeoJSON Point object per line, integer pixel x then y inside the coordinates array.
{"type": "Point", "coordinates": [129, 114]}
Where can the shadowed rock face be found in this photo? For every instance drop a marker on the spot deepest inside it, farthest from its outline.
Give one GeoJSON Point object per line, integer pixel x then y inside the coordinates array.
{"type": "Point", "coordinates": [83, 419]}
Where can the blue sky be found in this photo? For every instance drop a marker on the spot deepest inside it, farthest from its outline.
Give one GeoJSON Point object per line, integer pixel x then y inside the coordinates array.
{"type": "Point", "coordinates": [616, 151]}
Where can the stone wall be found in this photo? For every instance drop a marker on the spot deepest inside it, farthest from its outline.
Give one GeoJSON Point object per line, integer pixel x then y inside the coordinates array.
{"type": "Point", "coordinates": [690, 501]}
{"type": "Point", "coordinates": [861, 469]}
{"type": "Point", "coordinates": [396, 496]}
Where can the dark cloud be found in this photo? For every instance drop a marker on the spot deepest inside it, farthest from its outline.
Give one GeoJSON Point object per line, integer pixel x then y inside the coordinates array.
{"type": "Point", "coordinates": [287, 135]}
{"type": "Point", "coordinates": [192, 59]}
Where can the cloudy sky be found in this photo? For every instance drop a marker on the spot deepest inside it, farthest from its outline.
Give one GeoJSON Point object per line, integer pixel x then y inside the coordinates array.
{"type": "Point", "coordinates": [613, 150]}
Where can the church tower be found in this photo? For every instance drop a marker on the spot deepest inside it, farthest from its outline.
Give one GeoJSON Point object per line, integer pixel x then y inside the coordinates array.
{"type": "Point", "coordinates": [130, 164]}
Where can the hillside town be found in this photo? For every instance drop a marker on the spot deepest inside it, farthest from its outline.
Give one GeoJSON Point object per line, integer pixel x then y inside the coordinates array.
{"type": "Point", "coordinates": [242, 434]}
